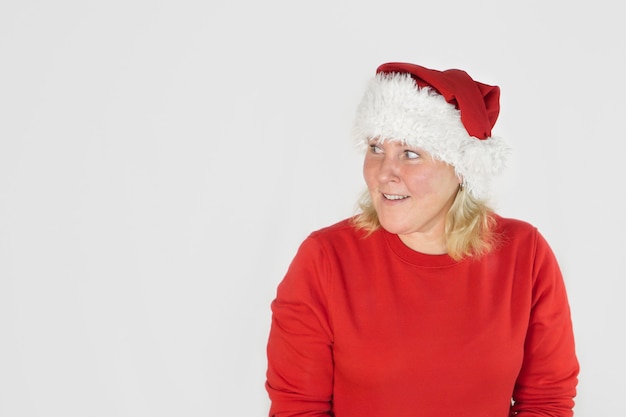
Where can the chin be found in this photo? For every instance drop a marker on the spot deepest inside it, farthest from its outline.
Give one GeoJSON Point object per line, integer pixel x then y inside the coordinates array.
{"type": "Point", "coordinates": [394, 227]}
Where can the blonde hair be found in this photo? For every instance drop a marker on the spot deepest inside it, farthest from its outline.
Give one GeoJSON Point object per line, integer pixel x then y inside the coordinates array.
{"type": "Point", "coordinates": [469, 229]}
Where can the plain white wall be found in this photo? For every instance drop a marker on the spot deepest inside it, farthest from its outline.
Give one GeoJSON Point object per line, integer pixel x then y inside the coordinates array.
{"type": "Point", "coordinates": [160, 162]}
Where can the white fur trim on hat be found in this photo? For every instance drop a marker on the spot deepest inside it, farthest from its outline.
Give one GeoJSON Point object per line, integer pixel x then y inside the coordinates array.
{"type": "Point", "coordinates": [394, 108]}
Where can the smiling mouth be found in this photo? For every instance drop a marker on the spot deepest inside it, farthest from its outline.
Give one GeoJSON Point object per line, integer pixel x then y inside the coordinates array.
{"type": "Point", "coordinates": [395, 197]}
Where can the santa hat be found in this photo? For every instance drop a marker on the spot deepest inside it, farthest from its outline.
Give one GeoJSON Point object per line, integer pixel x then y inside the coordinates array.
{"type": "Point", "coordinates": [445, 113]}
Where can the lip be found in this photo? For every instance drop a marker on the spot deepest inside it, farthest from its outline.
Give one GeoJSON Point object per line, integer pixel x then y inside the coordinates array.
{"type": "Point", "coordinates": [394, 198]}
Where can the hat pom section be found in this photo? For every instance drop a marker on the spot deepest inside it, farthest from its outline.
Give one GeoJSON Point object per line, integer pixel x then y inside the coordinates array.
{"type": "Point", "coordinates": [480, 161]}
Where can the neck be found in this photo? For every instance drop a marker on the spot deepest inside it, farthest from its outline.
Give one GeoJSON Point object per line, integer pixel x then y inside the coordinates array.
{"type": "Point", "coordinates": [424, 243]}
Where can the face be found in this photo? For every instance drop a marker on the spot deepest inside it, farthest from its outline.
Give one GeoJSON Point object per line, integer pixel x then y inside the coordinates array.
{"type": "Point", "coordinates": [410, 191]}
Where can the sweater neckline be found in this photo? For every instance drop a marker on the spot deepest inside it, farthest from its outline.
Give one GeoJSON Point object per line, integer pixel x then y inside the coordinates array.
{"type": "Point", "coordinates": [414, 257]}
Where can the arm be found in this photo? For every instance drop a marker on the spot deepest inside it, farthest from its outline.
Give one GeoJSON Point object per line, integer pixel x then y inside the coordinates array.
{"type": "Point", "coordinates": [546, 385]}
{"type": "Point", "coordinates": [300, 363]}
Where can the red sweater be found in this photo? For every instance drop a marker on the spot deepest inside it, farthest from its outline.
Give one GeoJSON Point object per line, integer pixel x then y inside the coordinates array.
{"type": "Point", "coordinates": [366, 327]}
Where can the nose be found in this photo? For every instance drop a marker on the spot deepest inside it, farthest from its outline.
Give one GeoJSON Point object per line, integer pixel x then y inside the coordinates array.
{"type": "Point", "coordinates": [388, 169]}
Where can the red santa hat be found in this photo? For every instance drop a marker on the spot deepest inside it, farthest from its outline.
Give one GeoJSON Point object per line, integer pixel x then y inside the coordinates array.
{"type": "Point", "coordinates": [445, 113]}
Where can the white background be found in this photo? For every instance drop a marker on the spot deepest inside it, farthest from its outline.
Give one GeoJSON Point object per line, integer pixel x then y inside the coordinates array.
{"type": "Point", "coordinates": [160, 162]}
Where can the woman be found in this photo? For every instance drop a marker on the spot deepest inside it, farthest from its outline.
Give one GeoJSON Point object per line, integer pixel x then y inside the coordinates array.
{"type": "Point", "coordinates": [426, 303]}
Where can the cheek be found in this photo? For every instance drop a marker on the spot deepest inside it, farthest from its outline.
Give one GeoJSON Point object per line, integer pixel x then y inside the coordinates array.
{"type": "Point", "coordinates": [420, 185]}
{"type": "Point", "coordinates": [430, 182]}
{"type": "Point", "coordinates": [368, 172]}
{"type": "Point", "coordinates": [445, 183]}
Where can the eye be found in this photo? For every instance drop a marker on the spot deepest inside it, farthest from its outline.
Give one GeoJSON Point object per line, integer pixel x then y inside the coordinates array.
{"type": "Point", "coordinates": [374, 148]}
{"type": "Point", "coordinates": [409, 154]}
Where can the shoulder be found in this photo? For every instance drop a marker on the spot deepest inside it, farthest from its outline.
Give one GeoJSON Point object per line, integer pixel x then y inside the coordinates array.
{"type": "Point", "coordinates": [341, 231]}
{"type": "Point", "coordinates": [511, 229]}
{"type": "Point", "coordinates": [521, 235]}
{"type": "Point", "coordinates": [344, 240]}
{"type": "Point", "coordinates": [324, 252]}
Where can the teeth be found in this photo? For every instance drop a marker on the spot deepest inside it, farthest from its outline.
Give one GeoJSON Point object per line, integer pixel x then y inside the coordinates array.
{"type": "Point", "coordinates": [395, 197]}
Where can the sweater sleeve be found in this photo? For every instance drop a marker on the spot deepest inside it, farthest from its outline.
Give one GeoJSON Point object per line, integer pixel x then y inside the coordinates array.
{"type": "Point", "coordinates": [546, 385]}
{"type": "Point", "coordinates": [299, 350]}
